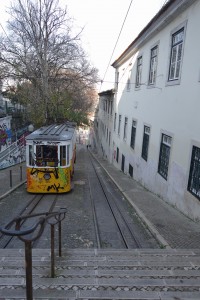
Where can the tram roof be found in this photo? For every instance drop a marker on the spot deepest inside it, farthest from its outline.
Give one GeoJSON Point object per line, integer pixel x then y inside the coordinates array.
{"type": "Point", "coordinates": [55, 132]}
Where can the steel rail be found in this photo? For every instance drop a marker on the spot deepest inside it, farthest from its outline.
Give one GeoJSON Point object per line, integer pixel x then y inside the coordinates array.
{"type": "Point", "coordinates": [118, 216]}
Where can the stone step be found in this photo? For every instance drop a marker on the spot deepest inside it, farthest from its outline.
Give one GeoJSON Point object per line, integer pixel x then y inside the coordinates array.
{"type": "Point", "coordinates": [103, 274]}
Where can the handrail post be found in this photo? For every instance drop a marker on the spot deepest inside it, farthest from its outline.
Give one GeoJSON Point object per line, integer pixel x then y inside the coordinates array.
{"type": "Point", "coordinates": [28, 262]}
{"type": "Point", "coordinates": [27, 238]}
{"type": "Point", "coordinates": [59, 238]}
{"type": "Point", "coordinates": [52, 252]}
{"type": "Point", "coordinates": [20, 173]}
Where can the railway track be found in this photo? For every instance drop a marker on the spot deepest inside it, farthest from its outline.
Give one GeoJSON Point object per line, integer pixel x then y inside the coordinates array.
{"type": "Point", "coordinates": [37, 204]}
{"type": "Point", "coordinates": [97, 214]}
{"type": "Point", "coordinates": [109, 212]}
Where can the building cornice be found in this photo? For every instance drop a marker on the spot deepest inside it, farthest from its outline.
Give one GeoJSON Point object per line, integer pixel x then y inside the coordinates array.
{"type": "Point", "coordinates": [165, 15]}
{"type": "Point", "coordinates": [107, 93]}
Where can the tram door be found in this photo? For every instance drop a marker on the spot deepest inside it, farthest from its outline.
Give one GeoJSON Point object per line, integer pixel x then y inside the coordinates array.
{"type": "Point", "coordinates": [123, 163]}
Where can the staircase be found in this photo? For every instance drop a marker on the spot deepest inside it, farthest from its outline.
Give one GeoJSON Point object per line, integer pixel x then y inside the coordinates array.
{"type": "Point", "coordinates": [13, 155]}
{"type": "Point", "coordinates": [156, 274]}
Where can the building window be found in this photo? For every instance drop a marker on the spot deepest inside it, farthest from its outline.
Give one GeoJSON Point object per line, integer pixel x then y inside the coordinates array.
{"type": "Point", "coordinates": [165, 148]}
{"type": "Point", "coordinates": [145, 144]}
{"type": "Point", "coordinates": [117, 156]}
{"type": "Point", "coordinates": [123, 163]}
{"type": "Point", "coordinates": [108, 107]}
{"type": "Point", "coordinates": [104, 130]}
{"type": "Point", "coordinates": [176, 55]}
{"type": "Point", "coordinates": [115, 120]}
{"type": "Point", "coordinates": [111, 108]}
{"type": "Point", "coordinates": [153, 65]}
{"type": "Point", "coordinates": [130, 170]}
{"type": "Point", "coordinates": [129, 81]}
{"type": "Point", "coordinates": [138, 72]}
{"type": "Point", "coordinates": [133, 134]}
{"type": "Point", "coordinates": [194, 176]}
{"type": "Point", "coordinates": [119, 124]}
{"type": "Point", "coordinates": [125, 127]}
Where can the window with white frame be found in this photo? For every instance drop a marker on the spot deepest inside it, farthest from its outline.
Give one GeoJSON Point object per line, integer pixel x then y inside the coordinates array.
{"type": "Point", "coordinates": [165, 148]}
{"type": "Point", "coordinates": [128, 87]}
{"type": "Point", "coordinates": [194, 175]}
{"type": "Point", "coordinates": [125, 128]}
{"type": "Point", "coordinates": [145, 144]}
{"type": "Point", "coordinates": [176, 55]}
{"type": "Point", "coordinates": [138, 72]}
{"type": "Point", "coordinates": [133, 134]}
{"type": "Point", "coordinates": [153, 65]}
{"type": "Point", "coordinates": [115, 121]}
{"type": "Point", "coordinates": [119, 124]}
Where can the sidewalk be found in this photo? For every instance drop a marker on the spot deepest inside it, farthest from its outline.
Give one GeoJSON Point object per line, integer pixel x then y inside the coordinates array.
{"type": "Point", "coordinates": [11, 178]}
{"type": "Point", "coordinates": [171, 227]}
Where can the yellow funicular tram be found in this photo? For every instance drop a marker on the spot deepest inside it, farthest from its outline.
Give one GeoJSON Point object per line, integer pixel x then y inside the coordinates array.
{"type": "Point", "coordinates": [50, 157]}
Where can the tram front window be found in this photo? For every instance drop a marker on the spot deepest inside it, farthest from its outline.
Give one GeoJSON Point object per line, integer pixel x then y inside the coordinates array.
{"type": "Point", "coordinates": [46, 155]}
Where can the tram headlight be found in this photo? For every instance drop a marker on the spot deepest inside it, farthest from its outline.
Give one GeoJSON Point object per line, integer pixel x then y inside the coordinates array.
{"type": "Point", "coordinates": [47, 176]}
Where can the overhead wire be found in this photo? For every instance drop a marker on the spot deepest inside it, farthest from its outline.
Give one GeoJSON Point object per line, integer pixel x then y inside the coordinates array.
{"type": "Point", "coordinates": [116, 43]}
{"type": "Point", "coordinates": [103, 81]}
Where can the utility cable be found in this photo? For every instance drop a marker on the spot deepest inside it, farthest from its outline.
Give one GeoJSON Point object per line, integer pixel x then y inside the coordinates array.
{"type": "Point", "coordinates": [116, 43]}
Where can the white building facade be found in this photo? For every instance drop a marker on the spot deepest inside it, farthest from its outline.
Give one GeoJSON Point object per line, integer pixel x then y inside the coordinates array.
{"type": "Point", "coordinates": [103, 124]}
{"type": "Point", "coordinates": [155, 130]}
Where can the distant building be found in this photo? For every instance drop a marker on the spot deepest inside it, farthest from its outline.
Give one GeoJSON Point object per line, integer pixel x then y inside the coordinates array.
{"type": "Point", "coordinates": [153, 134]}
{"type": "Point", "coordinates": [103, 123]}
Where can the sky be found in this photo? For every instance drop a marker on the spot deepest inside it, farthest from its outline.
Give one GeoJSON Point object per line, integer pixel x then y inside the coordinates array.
{"type": "Point", "coordinates": [102, 21]}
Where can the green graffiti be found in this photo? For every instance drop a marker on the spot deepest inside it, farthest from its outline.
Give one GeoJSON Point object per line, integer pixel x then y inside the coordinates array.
{"type": "Point", "coordinates": [63, 175]}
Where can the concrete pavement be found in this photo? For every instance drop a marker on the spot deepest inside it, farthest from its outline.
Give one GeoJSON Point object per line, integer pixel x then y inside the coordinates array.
{"type": "Point", "coordinates": [11, 178]}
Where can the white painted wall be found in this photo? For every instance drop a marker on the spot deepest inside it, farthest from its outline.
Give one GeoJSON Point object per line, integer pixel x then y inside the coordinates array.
{"type": "Point", "coordinates": [105, 121]}
{"type": "Point", "coordinates": [169, 109]}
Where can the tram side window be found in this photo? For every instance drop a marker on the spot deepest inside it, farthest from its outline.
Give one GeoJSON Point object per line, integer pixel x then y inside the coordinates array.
{"type": "Point", "coordinates": [68, 149]}
{"type": "Point", "coordinates": [62, 155]}
{"type": "Point", "coordinates": [31, 156]}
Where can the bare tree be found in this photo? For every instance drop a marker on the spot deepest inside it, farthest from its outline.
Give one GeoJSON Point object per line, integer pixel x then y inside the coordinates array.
{"type": "Point", "coordinates": [40, 48]}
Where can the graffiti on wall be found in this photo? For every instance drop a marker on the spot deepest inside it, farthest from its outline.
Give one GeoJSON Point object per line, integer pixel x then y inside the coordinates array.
{"type": "Point", "coordinates": [3, 137]}
{"type": "Point", "coordinates": [5, 133]}
{"type": "Point", "coordinates": [14, 154]}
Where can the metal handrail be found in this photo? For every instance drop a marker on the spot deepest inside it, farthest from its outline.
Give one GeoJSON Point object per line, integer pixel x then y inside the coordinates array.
{"type": "Point", "coordinates": [37, 228]}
